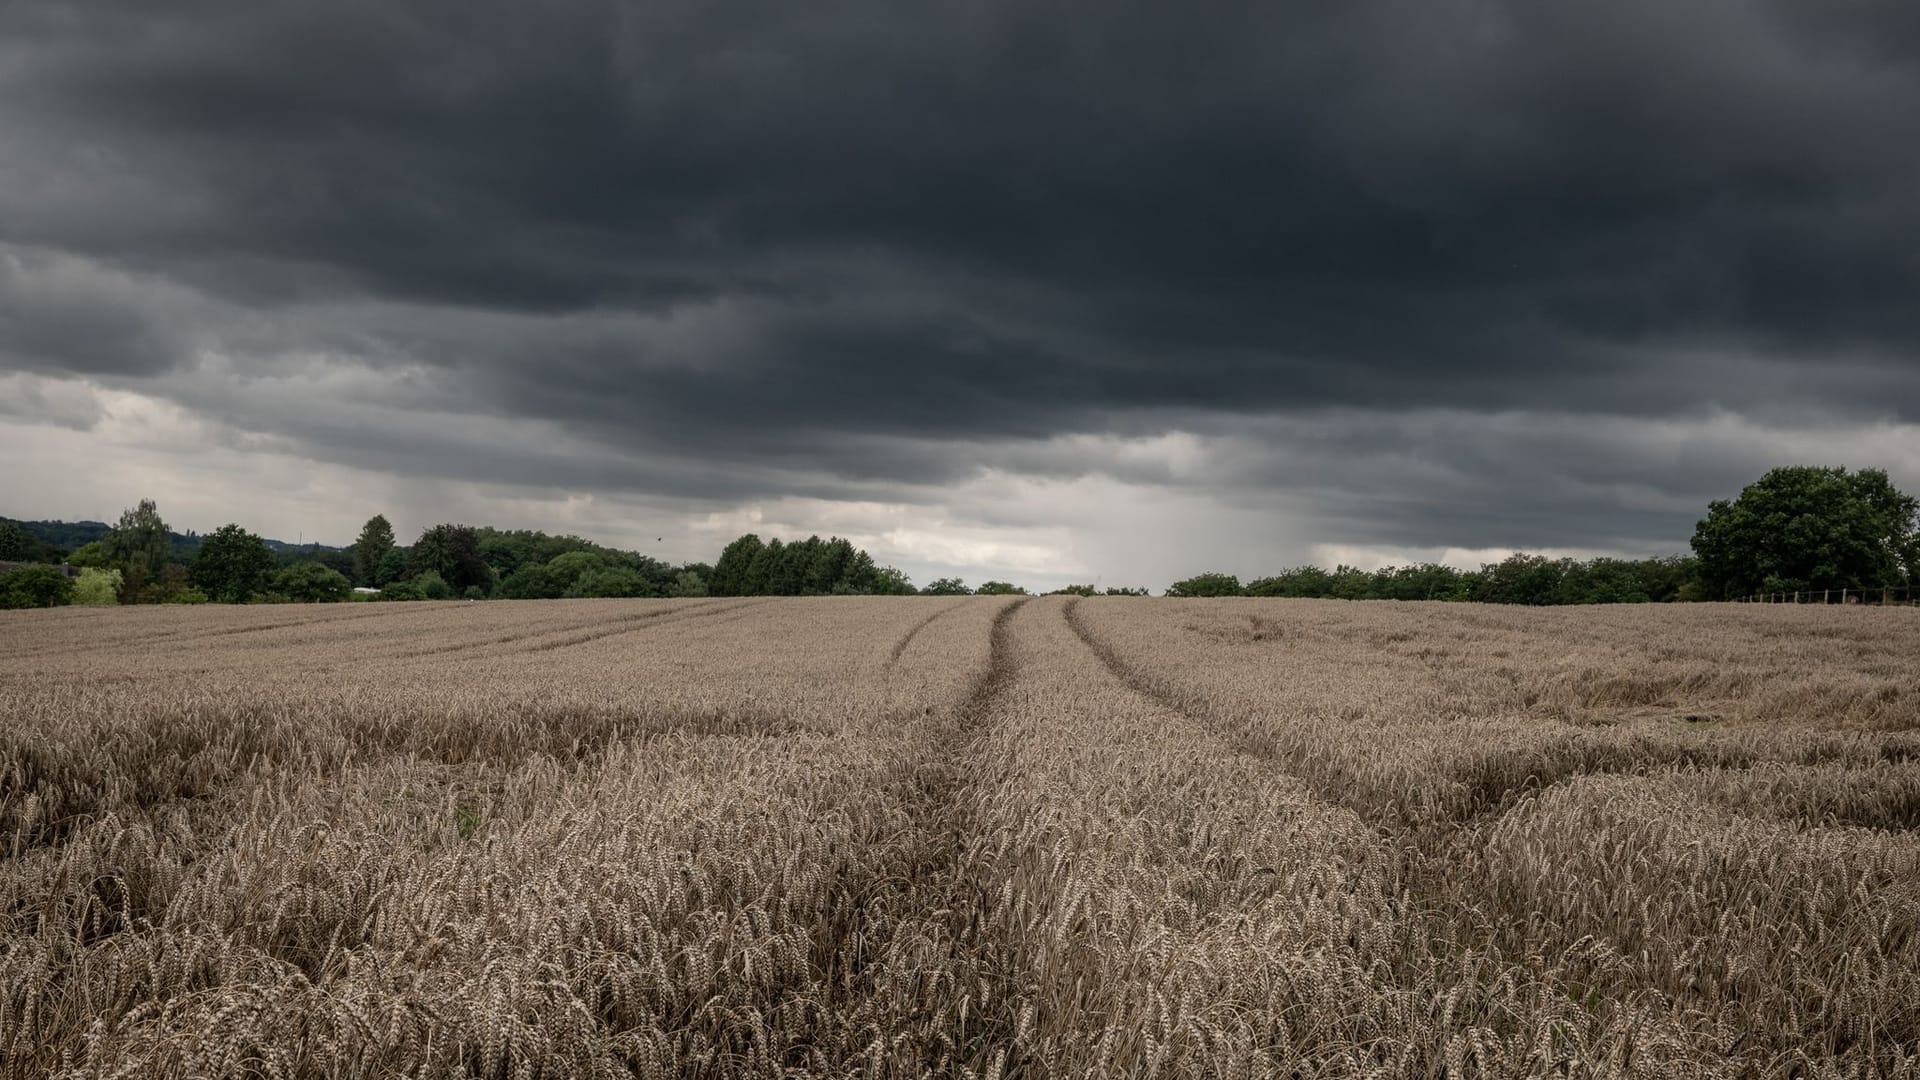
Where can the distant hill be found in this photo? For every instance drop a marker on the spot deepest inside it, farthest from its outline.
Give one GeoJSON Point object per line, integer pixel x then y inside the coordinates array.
{"type": "Point", "coordinates": [72, 534]}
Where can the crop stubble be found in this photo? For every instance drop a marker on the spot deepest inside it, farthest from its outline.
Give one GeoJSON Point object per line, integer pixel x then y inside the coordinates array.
{"type": "Point", "coordinates": [989, 838]}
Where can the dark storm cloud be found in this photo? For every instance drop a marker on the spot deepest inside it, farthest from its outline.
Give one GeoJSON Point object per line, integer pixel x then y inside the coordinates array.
{"type": "Point", "coordinates": [877, 244]}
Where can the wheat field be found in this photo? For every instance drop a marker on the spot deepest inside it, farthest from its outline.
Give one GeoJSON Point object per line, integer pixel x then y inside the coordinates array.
{"type": "Point", "coordinates": [979, 837]}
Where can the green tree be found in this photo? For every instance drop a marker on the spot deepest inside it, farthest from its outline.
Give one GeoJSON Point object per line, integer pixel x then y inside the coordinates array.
{"type": "Point", "coordinates": [376, 539]}
{"type": "Point", "coordinates": [91, 554]}
{"type": "Point", "coordinates": [946, 586]}
{"type": "Point", "coordinates": [1809, 527]}
{"type": "Point", "coordinates": [532, 582]}
{"type": "Point", "coordinates": [568, 568]}
{"type": "Point", "coordinates": [1521, 578]}
{"type": "Point", "coordinates": [827, 571]}
{"type": "Point", "coordinates": [687, 583]}
{"type": "Point", "coordinates": [402, 590]}
{"type": "Point", "coordinates": [759, 574]}
{"type": "Point", "coordinates": [432, 586]}
{"type": "Point", "coordinates": [17, 544]}
{"type": "Point", "coordinates": [1352, 583]}
{"type": "Point", "coordinates": [787, 566]}
{"type": "Point", "coordinates": [731, 572]}
{"type": "Point", "coordinates": [1425, 581]}
{"type": "Point", "coordinates": [453, 552]}
{"type": "Point", "coordinates": [35, 587]}
{"type": "Point", "coordinates": [96, 587]}
{"type": "Point", "coordinates": [888, 581]}
{"type": "Point", "coordinates": [173, 586]}
{"type": "Point", "coordinates": [232, 565]}
{"type": "Point", "coordinates": [311, 583]}
{"type": "Point", "coordinates": [1602, 581]}
{"type": "Point", "coordinates": [609, 581]}
{"type": "Point", "coordinates": [1212, 583]}
{"type": "Point", "coordinates": [999, 588]}
{"type": "Point", "coordinates": [858, 573]}
{"type": "Point", "coordinates": [393, 566]}
{"type": "Point", "coordinates": [140, 541]}
{"type": "Point", "coordinates": [505, 552]}
{"type": "Point", "coordinates": [1305, 582]}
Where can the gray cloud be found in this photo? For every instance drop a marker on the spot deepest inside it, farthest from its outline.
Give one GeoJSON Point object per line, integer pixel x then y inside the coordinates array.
{"type": "Point", "coordinates": [1468, 273]}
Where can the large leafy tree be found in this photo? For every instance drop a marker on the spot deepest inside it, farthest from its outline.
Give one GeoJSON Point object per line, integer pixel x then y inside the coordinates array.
{"type": "Point", "coordinates": [730, 573]}
{"type": "Point", "coordinates": [393, 567]}
{"type": "Point", "coordinates": [1810, 527]}
{"type": "Point", "coordinates": [890, 581]}
{"type": "Point", "coordinates": [569, 567]}
{"type": "Point", "coordinates": [453, 552]}
{"type": "Point", "coordinates": [140, 541]}
{"type": "Point", "coordinates": [376, 539]}
{"type": "Point", "coordinates": [232, 565]}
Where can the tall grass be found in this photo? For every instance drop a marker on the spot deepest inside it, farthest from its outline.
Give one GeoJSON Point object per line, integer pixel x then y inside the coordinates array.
{"type": "Point", "coordinates": [845, 837]}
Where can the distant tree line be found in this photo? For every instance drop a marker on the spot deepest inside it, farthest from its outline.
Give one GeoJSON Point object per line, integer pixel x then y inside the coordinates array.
{"type": "Point", "coordinates": [1518, 579]}
{"type": "Point", "coordinates": [140, 560]}
{"type": "Point", "coordinates": [1796, 529]}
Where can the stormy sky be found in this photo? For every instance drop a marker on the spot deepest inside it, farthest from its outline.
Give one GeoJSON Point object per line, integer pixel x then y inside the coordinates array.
{"type": "Point", "coordinates": [1042, 291]}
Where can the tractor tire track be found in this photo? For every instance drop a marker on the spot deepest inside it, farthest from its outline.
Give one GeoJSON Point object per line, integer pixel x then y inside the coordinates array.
{"type": "Point", "coordinates": [618, 621]}
{"type": "Point", "coordinates": [1329, 790]}
{"type": "Point", "coordinates": [1482, 798]}
{"type": "Point", "coordinates": [707, 611]}
{"type": "Point", "coordinates": [917, 926]}
{"type": "Point", "coordinates": [201, 633]}
{"type": "Point", "coordinates": [900, 647]}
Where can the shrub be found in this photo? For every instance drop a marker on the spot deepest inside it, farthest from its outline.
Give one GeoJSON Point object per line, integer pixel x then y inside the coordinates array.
{"type": "Point", "coordinates": [1208, 584]}
{"type": "Point", "coordinates": [97, 588]}
{"type": "Point", "coordinates": [608, 581]}
{"type": "Point", "coordinates": [433, 587]}
{"type": "Point", "coordinates": [687, 584]}
{"type": "Point", "coordinates": [35, 587]}
{"type": "Point", "coordinates": [311, 583]}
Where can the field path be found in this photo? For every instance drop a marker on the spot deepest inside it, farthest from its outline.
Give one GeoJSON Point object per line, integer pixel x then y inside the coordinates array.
{"type": "Point", "coordinates": [906, 639]}
{"type": "Point", "coordinates": [900, 970]}
{"type": "Point", "coordinates": [547, 638]}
